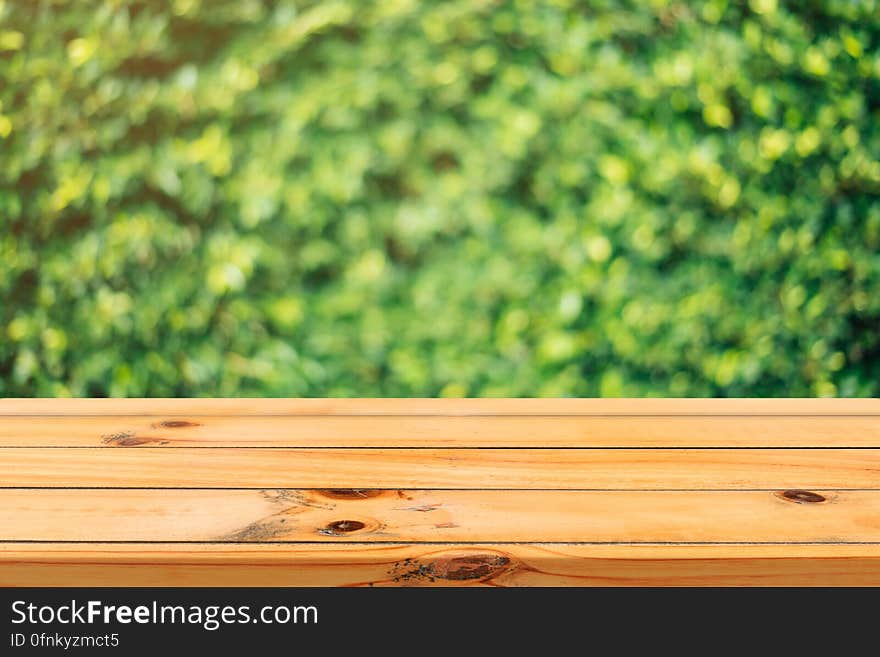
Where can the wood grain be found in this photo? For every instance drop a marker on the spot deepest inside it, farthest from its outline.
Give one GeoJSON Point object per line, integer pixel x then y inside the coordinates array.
{"type": "Point", "coordinates": [440, 516]}
{"type": "Point", "coordinates": [394, 492]}
{"type": "Point", "coordinates": [439, 407]}
{"type": "Point", "coordinates": [440, 468]}
{"type": "Point", "coordinates": [453, 431]}
{"type": "Point", "coordinates": [348, 564]}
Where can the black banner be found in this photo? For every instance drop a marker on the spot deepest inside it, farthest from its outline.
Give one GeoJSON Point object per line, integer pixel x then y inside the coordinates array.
{"type": "Point", "coordinates": [115, 621]}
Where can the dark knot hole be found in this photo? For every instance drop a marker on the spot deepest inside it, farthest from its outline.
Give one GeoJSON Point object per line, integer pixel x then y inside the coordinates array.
{"type": "Point", "coordinates": [803, 496]}
{"type": "Point", "coordinates": [344, 526]}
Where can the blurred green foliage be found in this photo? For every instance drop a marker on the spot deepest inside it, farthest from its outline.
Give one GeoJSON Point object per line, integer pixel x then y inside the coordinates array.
{"type": "Point", "coordinates": [402, 198]}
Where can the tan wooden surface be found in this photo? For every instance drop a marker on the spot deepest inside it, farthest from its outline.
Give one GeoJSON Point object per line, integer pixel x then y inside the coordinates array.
{"type": "Point", "coordinates": [439, 492]}
{"type": "Point", "coordinates": [441, 468]}
{"type": "Point", "coordinates": [425, 564]}
{"type": "Point", "coordinates": [439, 407]}
{"type": "Point", "coordinates": [438, 516]}
{"type": "Point", "coordinates": [442, 431]}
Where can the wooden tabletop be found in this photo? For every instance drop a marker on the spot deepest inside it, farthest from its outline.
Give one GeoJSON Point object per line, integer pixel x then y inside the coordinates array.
{"type": "Point", "coordinates": [378, 492]}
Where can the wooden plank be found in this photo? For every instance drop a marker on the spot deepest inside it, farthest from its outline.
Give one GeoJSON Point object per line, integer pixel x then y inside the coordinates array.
{"type": "Point", "coordinates": [439, 492]}
{"type": "Point", "coordinates": [49, 564]}
{"type": "Point", "coordinates": [328, 406]}
{"type": "Point", "coordinates": [453, 431]}
{"type": "Point", "coordinates": [440, 516]}
{"type": "Point", "coordinates": [441, 468]}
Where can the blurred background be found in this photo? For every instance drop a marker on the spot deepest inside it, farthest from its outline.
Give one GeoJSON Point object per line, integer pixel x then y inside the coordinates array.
{"type": "Point", "coordinates": [462, 198]}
